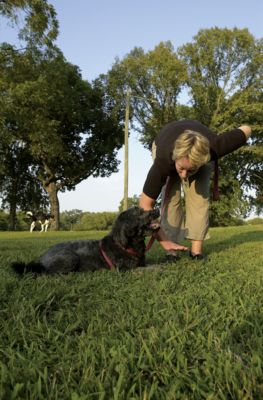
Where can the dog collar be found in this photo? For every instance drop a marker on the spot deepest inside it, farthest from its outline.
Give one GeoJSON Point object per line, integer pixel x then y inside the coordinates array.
{"type": "Point", "coordinates": [129, 250]}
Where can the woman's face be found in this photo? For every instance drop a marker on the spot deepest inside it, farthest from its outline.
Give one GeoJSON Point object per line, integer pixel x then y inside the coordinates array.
{"type": "Point", "coordinates": [184, 168]}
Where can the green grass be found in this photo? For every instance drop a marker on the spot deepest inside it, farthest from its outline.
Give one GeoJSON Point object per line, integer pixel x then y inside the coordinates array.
{"type": "Point", "coordinates": [189, 330]}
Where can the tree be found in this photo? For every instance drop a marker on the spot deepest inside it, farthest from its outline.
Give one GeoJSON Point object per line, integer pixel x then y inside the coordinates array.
{"type": "Point", "coordinates": [68, 125]}
{"type": "Point", "coordinates": [222, 72]}
{"type": "Point", "coordinates": [232, 206]}
{"type": "Point", "coordinates": [225, 83]}
{"type": "Point", "coordinates": [70, 218]}
{"type": "Point", "coordinates": [3, 221]}
{"type": "Point", "coordinates": [155, 80]}
{"type": "Point", "coordinates": [132, 201]}
{"type": "Point", "coordinates": [18, 188]}
{"type": "Point", "coordinates": [40, 26]}
{"type": "Point", "coordinates": [95, 221]}
{"type": "Point", "coordinates": [223, 65]}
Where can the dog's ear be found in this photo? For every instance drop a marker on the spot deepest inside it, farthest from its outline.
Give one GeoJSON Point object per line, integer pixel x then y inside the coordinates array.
{"type": "Point", "coordinates": [131, 212]}
{"type": "Point", "coordinates": [124, 227]}
{"type": "Point", "coordinates": [119, 232]}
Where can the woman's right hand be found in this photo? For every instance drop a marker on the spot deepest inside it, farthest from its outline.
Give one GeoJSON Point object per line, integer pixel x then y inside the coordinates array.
{"type": "Point", "coordinates": [147, 203]}
{"type": "Point", "coordinates": [246, 129]}
{"type": "Point", "coordinates": [168, 245]}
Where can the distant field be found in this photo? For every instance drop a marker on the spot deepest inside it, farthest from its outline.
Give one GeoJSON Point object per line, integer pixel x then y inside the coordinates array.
{"type": "Point", "coordinates": [188, 330]}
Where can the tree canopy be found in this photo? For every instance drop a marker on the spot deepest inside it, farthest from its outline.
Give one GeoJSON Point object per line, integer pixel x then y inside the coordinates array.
{"type": "Point", "coordinates": [40, 25]}
{"type": "Point", "coordinates": [216, 79]}
{"type": "Point", "coordinates": [67, 125]}
{"type": "Point", "coordinates": [155, 80]}
{"type": "Point", "coordinates": [57, 129]}
{"type": "Point", "coordinates": [225, 83]}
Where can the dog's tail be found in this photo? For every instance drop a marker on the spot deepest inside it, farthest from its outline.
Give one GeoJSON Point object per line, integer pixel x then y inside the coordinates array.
{"type": "Point", "coordinates": [22, 268]}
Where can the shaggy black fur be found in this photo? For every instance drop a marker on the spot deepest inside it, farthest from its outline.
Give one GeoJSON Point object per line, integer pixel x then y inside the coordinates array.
{"type": "Point", "coordinates": [124, 246]}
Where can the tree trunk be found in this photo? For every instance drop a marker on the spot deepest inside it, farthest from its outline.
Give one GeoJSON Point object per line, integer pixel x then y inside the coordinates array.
{"type": "Point", "coordinates": [12, 206]}
{"type": "Point", "coordinates": [12, 216]}
{"type": "Point", "coordinates": [52, 191]}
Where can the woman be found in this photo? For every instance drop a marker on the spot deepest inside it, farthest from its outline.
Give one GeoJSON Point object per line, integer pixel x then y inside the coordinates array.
{"type": "Point", "coordinates": [184, 152]}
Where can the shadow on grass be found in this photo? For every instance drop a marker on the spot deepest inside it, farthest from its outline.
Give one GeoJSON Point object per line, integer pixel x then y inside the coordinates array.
{"type": "Point", "coordinates": [235, 240]}
{"type": "Point", "coordinates": [216, 245]}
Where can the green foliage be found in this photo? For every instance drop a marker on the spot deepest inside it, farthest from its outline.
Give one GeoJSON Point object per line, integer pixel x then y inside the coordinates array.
{"type": "Point", "coordinates": [132, 201]}
{"type": "Point", "coordinates": [91, 221]}
{"type": "Point", "coordinates": [21, 223]}
{"type": "Point", "coordinates": [225, 75]}
{"type": "Point", "coordinates": [67, 120]}
{"type": "Point", "coordinates": [18, 188]}
{"type": "Point", "coordinates": [222, 72]}
{"type": "Point", "coordinates": [186, 331]}
{"type": "Point", "coordinates": [3, 221]}
{"type": "Point", "coordinates": [218, 64]}
{"type": "Point", "coordinates": [255, 221]}
{"type": "Point", "coordinates": [39, 27]}
{"type": "Point", "coordinates": [73, 129]}
{"type": "Point", "coordinates": [69, 218]}
{"type": "Point", "coordinates": [67, 126]}
{"type": "Point", "coordinates": [155, 80]}
{"type": "Point", "coordinates": [77, 220]}
{"type": "Point", "coordinates": [232, 207]}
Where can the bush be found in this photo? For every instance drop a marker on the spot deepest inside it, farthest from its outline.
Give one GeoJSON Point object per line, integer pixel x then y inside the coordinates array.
{"type": "Point", "coordinates": [96, 221]}
{"type": "Point", "coordinates": [255, 221]}
{"type": "Point", "coordinates": [70, 218]}
{"type": "Point", "coordinates": [3, 221]}
{"type": "Point", "coordinates": [21, 223]}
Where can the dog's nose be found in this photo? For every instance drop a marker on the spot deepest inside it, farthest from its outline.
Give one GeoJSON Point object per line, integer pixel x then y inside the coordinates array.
{"type": "Point", "coordinates": [155, 212]}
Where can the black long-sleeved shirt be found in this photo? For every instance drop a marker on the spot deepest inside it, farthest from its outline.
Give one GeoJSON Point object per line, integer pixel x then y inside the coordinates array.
{"type": "Point", "coordinates": [164, 166]}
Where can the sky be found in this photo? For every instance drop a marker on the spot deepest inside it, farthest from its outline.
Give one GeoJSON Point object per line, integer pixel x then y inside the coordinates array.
{"type": "Point", "coordinates": [93, 33]}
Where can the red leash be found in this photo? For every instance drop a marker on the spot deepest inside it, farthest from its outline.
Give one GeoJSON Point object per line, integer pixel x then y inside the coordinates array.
{"type": "Point", "coordinates": [150, 243]}
{"type": "Point", "coordinates": [215, 187]}
{"type": "Point", "coordinates": [168, 185]}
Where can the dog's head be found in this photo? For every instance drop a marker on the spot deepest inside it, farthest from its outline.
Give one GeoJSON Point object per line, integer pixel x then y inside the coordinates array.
{"type": "Point", "coordinates": [135, 224]}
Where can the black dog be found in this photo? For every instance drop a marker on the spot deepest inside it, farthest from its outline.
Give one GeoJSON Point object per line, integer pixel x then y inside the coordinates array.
{"type": "Point", "coordinates": [123, 248]}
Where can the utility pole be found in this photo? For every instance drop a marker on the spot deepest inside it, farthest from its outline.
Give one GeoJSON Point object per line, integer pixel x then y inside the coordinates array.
{"type": "Point", "coordinates": [126, 144]}
{"type": "Point", "coordinates": [126, 151]}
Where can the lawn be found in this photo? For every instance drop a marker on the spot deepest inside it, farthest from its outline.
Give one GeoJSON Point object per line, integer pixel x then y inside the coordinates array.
{"type": "Point", "coordinates": [190, 330]}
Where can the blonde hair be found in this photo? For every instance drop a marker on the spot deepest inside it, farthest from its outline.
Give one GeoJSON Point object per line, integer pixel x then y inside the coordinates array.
{"type": "Point", "coordinates": [194, 146]}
